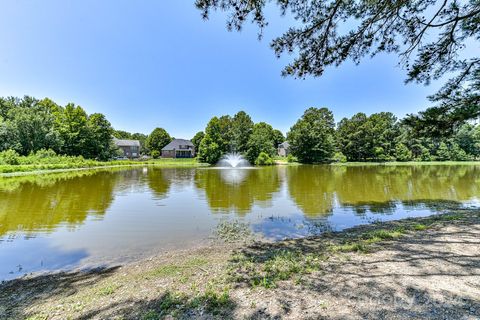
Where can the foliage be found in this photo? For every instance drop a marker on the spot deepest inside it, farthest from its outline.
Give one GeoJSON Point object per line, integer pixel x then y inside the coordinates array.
{"type": "Point", "coordinates": [197, 139]}
{"type": "Point", "coordinates": [291, 158]}
{"type": "Point", "coordinates": [427, 35]}
{"type": "Point", "coordinates": [468, 138]}
{"type": "Point", "coordinates": [242, 129]}
{"type": "Point", "coordinates": [402, 153]}
{"type": "Point", "coordinates": [312, 138]}
{"type": "Point", "coordinates": [339, 157]}
{"type": "Point", "coordinates": [260, 141]}
{"type": "Point", "coordinates": [213, 145]}
{"type": "Point", "coordinates": [155, 154]}
{"type": "Point", "coordinates": [72, 126]}
{"type": "Point", "coordinates": [278, 138]}
{"type": "Point", "coordinates": [120, 134]}
{"type": "Point", "coordinates": [210, 151]}
{"type": "Point", "coordinates": [263, 159]}
{"type": "Point", "coordinates": [28, 125]}
{"type": "Point", "coordinates": [443, 153]}
{"type": "Point", "coordinates": [99, 143]}
{"type": "Point", "coordinates": [158, 139]}
{"type": "Point", "coordinates": [363, 138]}
{"type": "Point", "coordinates": [10, 157]}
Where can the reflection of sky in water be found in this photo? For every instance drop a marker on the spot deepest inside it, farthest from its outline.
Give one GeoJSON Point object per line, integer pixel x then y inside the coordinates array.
{"type": "Point", "coordinates": [106, 218]}
{"type": "Point", "coordinates": [36, 254]}
{"type": "Point", "coordinates": [297, 225]}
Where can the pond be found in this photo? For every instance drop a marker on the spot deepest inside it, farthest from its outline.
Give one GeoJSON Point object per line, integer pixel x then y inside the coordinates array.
{"type": "Point", "coordinates": [93, 218]}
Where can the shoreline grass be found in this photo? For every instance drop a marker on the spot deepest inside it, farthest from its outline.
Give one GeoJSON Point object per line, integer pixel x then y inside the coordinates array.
{"type": "Point", "coordinates": [7, 170]}
{"type": "Point", "coordinates": [41, 168]}
{"type": "Point", "coordinates": [406, 163]}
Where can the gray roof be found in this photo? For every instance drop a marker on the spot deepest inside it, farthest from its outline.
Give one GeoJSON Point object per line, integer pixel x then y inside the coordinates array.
{"type": "Point", "coordinates": [284, 145]}
{"type": "Point", "coordinates": [126, 143]}
{"type": "Point", "coordinates": [176, 143]}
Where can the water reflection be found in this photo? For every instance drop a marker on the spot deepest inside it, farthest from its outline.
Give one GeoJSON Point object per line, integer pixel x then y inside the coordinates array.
{"type": "Point", "coordinates": [237, 190]}
{"type": "Point", "coordinates": [68, 218]}
{"type": "Point", "coordinates": [46, 203]}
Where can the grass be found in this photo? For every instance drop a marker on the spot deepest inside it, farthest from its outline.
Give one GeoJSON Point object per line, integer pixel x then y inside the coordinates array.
{"type": "Point", "coordinates": [274, 266]}
{"type": "Point", "coordinates": [407, 163]}
{"type": "Point", "coordinates": [233, 231]}
{"type": "Point", "coordinates": [108, 290]}
{"type": "Point", "coordinates": [92, 164]}
{"type": "Point", "coordinates": [177, 304]}
{"type": "Point", "coordinates": [182, 270]}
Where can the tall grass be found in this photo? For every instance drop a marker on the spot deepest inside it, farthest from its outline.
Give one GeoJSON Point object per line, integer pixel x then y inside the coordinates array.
{"type": "Point", "coordinates": [11, 162]}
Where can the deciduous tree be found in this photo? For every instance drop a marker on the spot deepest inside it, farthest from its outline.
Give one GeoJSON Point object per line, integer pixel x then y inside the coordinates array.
{"type": "Point", "coordinates": [312, 138]}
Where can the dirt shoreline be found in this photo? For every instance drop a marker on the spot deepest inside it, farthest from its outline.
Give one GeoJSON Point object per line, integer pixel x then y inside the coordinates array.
{"type": "Point", "coordinates": [407, 269]}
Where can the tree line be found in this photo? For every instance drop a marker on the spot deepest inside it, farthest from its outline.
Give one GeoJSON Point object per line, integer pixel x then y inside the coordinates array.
{"type": "Point", "coordinates": [28, 125]}
{"type": "Point", "coordinates": [316, 138]}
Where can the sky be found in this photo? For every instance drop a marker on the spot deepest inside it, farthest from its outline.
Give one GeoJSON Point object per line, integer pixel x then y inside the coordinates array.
{"type": "Point", "coordinates": [151, 63]}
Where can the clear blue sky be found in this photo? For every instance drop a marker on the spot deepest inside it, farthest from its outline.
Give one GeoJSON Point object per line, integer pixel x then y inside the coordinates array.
{"type": "Point", "coordinates": [152, 63]}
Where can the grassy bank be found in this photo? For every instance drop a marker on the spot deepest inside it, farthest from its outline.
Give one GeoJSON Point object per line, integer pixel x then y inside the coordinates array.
{"type": "Point", "coordinates": [80, 163]}
{"type": "Point", "coordinates": [407, 163]}
{"type": "Point", "coordinates": [326, 276]}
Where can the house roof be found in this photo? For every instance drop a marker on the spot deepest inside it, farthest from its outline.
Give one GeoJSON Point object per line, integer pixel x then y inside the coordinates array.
{"type": "Point", "coordinates": [176, 143]}
{"type": "Point", "coordinates": [284, 145]}
{"type": "Point", "coordinates": [126, 143]}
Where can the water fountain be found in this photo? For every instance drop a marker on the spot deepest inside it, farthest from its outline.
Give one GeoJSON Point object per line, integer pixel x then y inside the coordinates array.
{"type": "Point", "coordinates": [233, 160]}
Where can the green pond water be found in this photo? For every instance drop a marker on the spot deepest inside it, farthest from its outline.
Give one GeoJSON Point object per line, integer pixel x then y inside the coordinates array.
{"type": "Point", "coordinates": [94, 218]}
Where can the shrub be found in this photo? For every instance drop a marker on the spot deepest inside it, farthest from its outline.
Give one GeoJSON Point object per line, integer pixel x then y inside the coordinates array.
{"type": "Point", "coordinates": [263, 159]}
{"type": "Point", "coordinates": [155, 154]}
{"type": "Point", "coordinates": [45, 153]}
{"type": "Point", "coordinates": [291, 158]}
{"type": "Point", "coordinates": [339, 157]}
{"type": "Point", "coordinates": [10, 157]}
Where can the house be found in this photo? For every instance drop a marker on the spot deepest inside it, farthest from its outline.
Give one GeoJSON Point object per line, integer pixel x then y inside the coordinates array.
{"type": "Point", "coordinates": [179, 148]}
{"type": "Point", "coordinates": [283, 149]}
{"type": "Point", "coordinates": [130, 148]}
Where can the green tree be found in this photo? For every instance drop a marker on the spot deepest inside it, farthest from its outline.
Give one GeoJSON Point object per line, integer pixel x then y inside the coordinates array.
{"type": "Point", "coordinates": [427, 36]}
{"type": "Point", "coordinates": [100, 143]}
{"type": "Point", "coordinates": [364, 138]}
{"type": "Point", "coordinates": [71, 124]}
{"type": "Point", "coordinates": [402, 153]}
{"type": "Point", "coordinates": [226, 134]}
{"type": "Point", "coordinates": [264, 159]}
{"type": "Point", "coordinates": [261, 140]}
{"type": "Point", "coordinates": [312, 137]}
{"type": "Point", "coordinates": [278, 138]}
{"type": "Point", "coordinates": [468, 138]}
{"type": "Point", "coordinates": [443, 153]}
{"type": "Point", "coordinates": [34, 126]}
{"type": "Point", "coordinates": [197, 139]}
{"type": "Point", "coordinates": [457, 153]}
{"type": "Point", "coordinates": [352, 137]}
{"type": "Point", "coordinates": [242, 128]}
{"type": "Point", "coordinates": [213, 145]}
{"type": "Point", "coordinates": [158, 139]}
{"type": "Point", "coordinates": [143, 139]}
{"type": "Point", "coordinates": [210, 151]}
{"type": "Point", "coordinates": [8, 139]}
{"type": "Point", "coordinates": [120, 134]}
